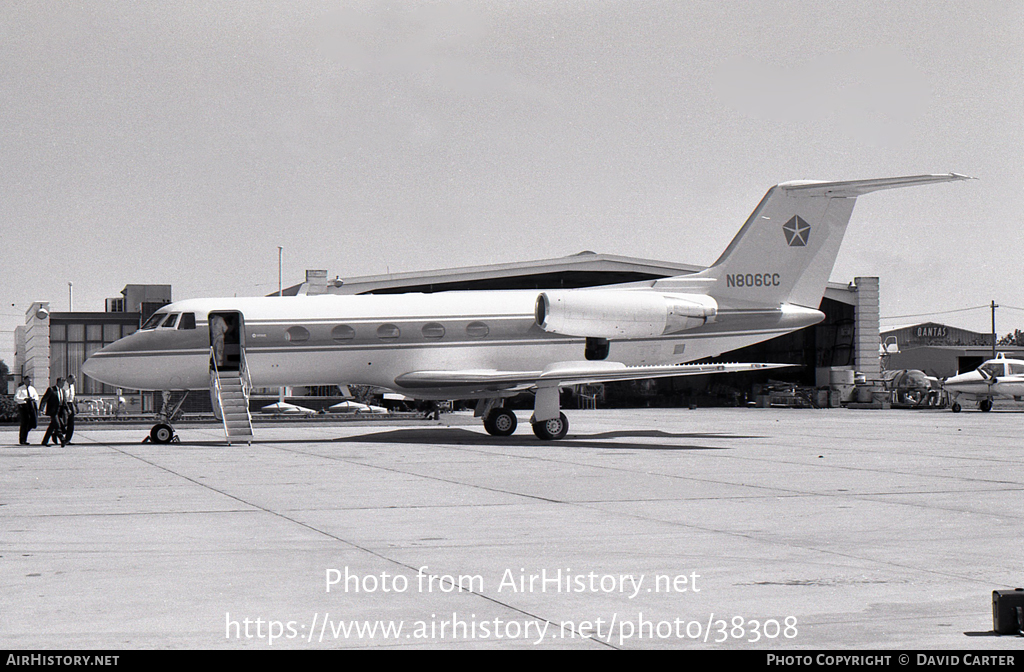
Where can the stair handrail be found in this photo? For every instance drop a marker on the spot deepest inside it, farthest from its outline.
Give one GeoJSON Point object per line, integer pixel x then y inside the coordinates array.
{"type": "Point", "coordinates": [246, 380]}
{"type": "Point", "coordinates": [215, 381]}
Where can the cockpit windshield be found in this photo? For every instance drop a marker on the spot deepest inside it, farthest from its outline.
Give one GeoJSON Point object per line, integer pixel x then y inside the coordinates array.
{"type": "Point", "coordinates": [994, 369]}
{"type": "Point", "coordinates": [154, 321]}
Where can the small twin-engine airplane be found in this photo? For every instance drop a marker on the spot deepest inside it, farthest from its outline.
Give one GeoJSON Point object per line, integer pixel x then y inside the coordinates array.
{"type": "Point", "coordinates": [490, 345]}
{"type": "Point", "coordinates": [999, 377]}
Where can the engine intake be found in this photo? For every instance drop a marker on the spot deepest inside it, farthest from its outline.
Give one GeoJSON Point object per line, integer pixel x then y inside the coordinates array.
{"type": "Point", "coordinates": [621, 313]}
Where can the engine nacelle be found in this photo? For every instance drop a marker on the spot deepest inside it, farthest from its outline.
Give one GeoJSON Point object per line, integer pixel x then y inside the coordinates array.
{"type": "Point", "coordinates": [621, 313]}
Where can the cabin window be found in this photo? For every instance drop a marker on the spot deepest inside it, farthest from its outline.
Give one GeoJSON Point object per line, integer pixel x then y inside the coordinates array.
{"type": "Point", "coordinates": [1016, 369]}
{"type": "Point", "coordinates": [171, 321]}
{"type": "Point", "coordinates": [188, 321]}
{"type": "Point", "coordinates": [433, 330]}
{"type": "Point", "coordinates": [477, 330]}
{"type": "Point", "coordinates": [388, 332]}
{"type": "Point", "coordinates": [297, 334]}
{"type": "Point", "coordinates": [342, 333]}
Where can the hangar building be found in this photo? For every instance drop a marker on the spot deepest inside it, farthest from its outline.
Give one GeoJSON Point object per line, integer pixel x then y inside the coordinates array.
{"type": "Point", "coordinates": [847, 339]}
{"type": "Point", "coordinates": [52, 344]}
{"type": "Point", "coordinates": [939, 349]}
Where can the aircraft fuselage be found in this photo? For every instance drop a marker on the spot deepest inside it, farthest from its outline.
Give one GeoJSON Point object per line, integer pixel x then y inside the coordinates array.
{"type": "Point", "coordinates": [373, 339]}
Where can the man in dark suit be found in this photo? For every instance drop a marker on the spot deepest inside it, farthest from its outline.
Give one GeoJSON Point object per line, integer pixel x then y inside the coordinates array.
{"type": "Point", "coordinates": [52, 401]}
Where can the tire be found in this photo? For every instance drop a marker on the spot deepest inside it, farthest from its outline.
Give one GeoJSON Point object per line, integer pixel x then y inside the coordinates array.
{"type": "Point", "coordinates": [552, 430]}
{"type": "Point", "coordinates": [956, 407]}
{"type": "Point", "coordinates": [161, 433]}
{"type": "Point", "coordinates": [985, 405]}
{"type": "Point", "coordinates": [500, 422]}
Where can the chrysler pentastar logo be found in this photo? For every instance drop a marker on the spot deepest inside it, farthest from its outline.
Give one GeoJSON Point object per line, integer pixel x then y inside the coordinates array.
{"type": "Point", "coordinates": [797, 231]}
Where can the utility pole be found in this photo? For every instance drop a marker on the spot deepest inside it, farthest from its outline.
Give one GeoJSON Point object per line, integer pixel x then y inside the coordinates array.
{"type": "Point", "coordinates": [994, 306]}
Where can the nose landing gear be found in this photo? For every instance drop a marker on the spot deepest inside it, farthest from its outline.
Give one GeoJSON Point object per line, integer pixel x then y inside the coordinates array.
{"type": "Point", "coordinates": [162, 432]}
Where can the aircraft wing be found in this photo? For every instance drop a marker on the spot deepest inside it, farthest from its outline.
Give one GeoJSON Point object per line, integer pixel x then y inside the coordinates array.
{"type": "Point", "coordinates": [564, 373]}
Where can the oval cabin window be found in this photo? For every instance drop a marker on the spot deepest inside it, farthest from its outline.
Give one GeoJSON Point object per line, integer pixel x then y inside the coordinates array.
{"type": "Point", "coordinates": [388, 332]}
{"type": "Point", "coordinates": [433, 330]}
{"type": "Point", "coordinates": [342, 333]}
{"type": "Point", "coordinates": [477, 330]}
{"type": "Point", "coordinates": [297, 334]}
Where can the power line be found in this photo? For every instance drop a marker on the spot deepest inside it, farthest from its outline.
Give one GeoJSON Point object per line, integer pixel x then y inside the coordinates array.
{"type": "Point", "coordinates": [939, 312]}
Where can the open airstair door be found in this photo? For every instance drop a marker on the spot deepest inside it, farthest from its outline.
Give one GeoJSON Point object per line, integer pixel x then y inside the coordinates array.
{"type": "Point", "coordinates": [229, 377]}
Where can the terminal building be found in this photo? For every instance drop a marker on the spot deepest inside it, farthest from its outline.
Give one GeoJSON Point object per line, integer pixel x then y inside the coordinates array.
{"type": "Point", "coordinates": [53, 344]}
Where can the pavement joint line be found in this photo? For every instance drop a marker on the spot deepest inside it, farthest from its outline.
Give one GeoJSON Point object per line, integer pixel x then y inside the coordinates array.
{"type": "Point", "coordinates": [773, 489]}
{"type": "Point", "coordinates": [746, 536]}
{"type": "Point", "coordinates": [335, 537]}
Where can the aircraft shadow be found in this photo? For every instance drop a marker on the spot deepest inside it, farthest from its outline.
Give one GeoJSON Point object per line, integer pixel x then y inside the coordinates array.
{"type": "Point", "coordinates": [614, 440]}
{"type": "Point", "coordinates": [617, 440]}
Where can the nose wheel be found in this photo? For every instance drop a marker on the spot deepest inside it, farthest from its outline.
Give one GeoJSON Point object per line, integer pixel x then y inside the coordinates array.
{"type": "Point", "coordinates": [161, 433]}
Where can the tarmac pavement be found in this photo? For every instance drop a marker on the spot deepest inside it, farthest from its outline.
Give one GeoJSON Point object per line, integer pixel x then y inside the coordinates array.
{"type": "Point", "coordinates": [774, 529]}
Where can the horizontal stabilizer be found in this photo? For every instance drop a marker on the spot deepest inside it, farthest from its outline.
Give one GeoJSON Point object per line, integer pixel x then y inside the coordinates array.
{"type": "Point", "coordinates": [854, 188]}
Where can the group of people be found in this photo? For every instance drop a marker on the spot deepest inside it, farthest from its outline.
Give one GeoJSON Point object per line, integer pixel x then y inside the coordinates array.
{"type": "Point", "coordinates": [58, 402]}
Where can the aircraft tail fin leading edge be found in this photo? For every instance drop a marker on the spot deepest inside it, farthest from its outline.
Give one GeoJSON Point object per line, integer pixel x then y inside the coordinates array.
{"type": "Point", "coordinates": [786, 249]}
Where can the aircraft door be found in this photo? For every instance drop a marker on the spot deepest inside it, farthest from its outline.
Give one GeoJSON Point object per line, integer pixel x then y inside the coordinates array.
{"type": "Point", "coordinates": [226, 339]}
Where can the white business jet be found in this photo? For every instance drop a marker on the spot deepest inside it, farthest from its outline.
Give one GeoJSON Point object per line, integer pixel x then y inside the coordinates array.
{"type": "Point", "coordinates": [999, 377]}
{"type": "Point", "coordinates": [490, 345]}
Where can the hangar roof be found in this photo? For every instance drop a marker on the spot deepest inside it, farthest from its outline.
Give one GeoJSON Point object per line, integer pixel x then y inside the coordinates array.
{"type": "Point", "coordinates": [585, 269]}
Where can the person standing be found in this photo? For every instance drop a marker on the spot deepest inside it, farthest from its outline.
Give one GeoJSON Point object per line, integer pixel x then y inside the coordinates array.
{"type": "Point", "coordinates": [121, 404]}
{"type": "Point", "coordinates": [70, 409]}
{"type": "Point", "coordinates": [218, 330]}
{"type": "Point", "coordinates": [51, 402]}
{"type": "Point", "coordinates": [28, 408]}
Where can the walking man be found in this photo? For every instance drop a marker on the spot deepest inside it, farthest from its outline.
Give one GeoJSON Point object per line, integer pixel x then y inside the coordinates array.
{"type": "Point", "coordinates": [52, 401]}
{"type": "Point", "coordinates": [28, 408]}
{"type": "Point", "coordinates": [69, 407]}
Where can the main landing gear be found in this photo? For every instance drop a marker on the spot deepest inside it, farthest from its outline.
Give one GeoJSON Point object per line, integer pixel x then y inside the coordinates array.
{"type": "Point", "coordinates": [985, 405]}
{"type": "Point", "coordinates": [552, 430]}
{"type": "Point", "coordinates": [549, 423]}
{"type": "Point", "coordinates": [500, 422]}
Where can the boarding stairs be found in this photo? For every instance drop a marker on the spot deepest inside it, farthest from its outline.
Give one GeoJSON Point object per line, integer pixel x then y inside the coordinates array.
{"type": "Point", "coordinates": [231, 391]}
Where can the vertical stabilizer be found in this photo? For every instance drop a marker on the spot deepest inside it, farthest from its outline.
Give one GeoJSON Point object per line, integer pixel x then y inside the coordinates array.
{"type": "Point", "coordinates": [786, 249]}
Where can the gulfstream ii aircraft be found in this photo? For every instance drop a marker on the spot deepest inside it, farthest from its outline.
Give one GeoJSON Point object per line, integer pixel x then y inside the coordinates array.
{"type": "Point", "coordinates": [490, 345]}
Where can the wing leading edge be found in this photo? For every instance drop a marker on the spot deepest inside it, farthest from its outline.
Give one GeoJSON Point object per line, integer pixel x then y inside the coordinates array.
{"type": "Point", "coordinates": [563, 373]}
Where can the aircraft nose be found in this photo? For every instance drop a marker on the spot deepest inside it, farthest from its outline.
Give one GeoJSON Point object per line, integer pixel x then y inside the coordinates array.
{"type": "Point", "coordinates": [103, 366]}
{"type": "Point", "coordinates": [94, 366]}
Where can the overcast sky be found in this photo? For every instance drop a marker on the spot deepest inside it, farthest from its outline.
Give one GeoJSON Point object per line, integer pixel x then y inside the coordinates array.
{"type": "Point", "coordinates": [182, 142]}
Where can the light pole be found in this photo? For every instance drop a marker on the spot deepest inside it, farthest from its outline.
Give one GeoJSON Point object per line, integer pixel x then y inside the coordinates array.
{"type": "Point", "coordinates": [280, 250]}
{"type": "Point", "coordinates": [994, 306]}
{"type": "Point", "coordinates": [71, 308]}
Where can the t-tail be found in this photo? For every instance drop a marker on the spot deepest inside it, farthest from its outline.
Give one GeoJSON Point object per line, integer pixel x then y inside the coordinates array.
{"type": "Point", "coordinates": [785, 251]}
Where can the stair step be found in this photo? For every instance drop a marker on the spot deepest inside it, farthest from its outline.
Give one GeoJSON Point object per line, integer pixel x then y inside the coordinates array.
{"type": "Point", "coordinates": [234, 405]}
